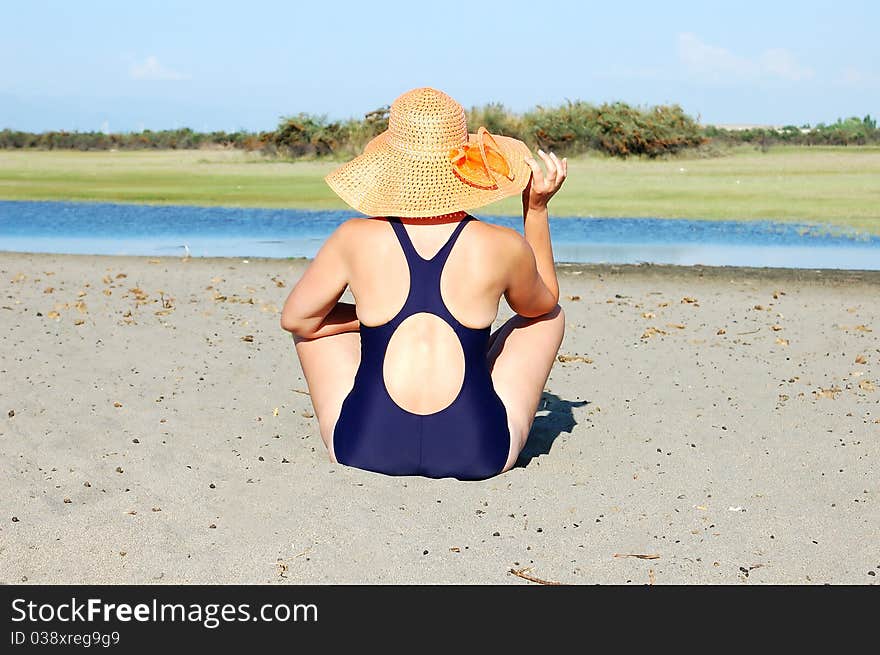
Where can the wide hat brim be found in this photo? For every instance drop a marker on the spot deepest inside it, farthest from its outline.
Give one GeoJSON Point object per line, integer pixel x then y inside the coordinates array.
{"type": "Point", "coordinates": [385, 181]}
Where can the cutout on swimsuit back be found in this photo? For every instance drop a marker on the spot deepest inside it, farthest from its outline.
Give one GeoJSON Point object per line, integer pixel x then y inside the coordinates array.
{"type": "Point", "coordinates": [423, 369]}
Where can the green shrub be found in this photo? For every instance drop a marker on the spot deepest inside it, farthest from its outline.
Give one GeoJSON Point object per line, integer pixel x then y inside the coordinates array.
{"type": "Point", "coordinates": [574, 127]}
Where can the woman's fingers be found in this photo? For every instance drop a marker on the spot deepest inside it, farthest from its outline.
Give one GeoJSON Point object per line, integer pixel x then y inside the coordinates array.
{"type": "Point", "coordinates": [547, 183]}
{"type": "Point", "coordinates": [537, 173]}
{"type": "Point", "coordinates": [551, 167]}
{"type": "Point", "coordinates": [560, 172]}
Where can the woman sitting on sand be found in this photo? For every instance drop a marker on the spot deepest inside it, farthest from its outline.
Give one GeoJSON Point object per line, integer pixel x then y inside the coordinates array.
{"type": "Point", "coordinates": [409, 380]}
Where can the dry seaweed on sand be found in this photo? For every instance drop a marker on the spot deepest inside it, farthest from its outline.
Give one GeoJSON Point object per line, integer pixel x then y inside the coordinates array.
{"type": "Point", "coordinates": [521, 573]}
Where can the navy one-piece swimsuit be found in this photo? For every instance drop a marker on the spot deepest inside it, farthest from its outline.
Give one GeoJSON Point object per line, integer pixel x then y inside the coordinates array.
{"type": "Point", "coordinates": [468, 439]}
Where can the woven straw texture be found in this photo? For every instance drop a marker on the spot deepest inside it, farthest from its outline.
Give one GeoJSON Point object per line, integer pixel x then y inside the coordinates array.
{"type": "Point", "coordinates": [406, 170]}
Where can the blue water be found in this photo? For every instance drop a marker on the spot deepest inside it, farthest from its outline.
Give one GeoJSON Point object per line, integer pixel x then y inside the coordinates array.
{"type": "Point", "coordinates": [116, 229]}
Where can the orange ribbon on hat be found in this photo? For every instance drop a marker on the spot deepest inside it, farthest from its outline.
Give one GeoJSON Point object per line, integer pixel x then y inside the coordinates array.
{"type": "Point", "coordinates": [479, 164]}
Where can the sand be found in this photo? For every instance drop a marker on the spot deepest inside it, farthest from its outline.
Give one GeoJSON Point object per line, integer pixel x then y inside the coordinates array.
{"type": "Point", "coordinates": [156, 429]}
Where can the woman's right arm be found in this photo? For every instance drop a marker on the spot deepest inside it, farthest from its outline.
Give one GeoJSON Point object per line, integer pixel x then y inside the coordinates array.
{"type": "Point", "coordinates": [533, 289]}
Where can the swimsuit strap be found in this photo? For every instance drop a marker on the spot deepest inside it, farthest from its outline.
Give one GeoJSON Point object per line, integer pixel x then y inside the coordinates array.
{"type": "Point", "coordinates": [412, 256]}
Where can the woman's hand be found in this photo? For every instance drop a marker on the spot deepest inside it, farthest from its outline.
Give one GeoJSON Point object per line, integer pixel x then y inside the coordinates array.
{"type": "Point", "coordinates": [541, 187]}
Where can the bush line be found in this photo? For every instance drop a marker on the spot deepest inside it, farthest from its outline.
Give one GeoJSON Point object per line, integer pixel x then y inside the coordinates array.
{"type": "Point", "coordinates": [575, 127]}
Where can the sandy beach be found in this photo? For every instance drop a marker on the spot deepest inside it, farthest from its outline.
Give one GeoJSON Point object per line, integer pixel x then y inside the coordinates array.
{"type": "Point", "coordinates": [707, 425]}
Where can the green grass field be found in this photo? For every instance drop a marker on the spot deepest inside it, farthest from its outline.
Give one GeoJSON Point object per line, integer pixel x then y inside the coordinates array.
{"type": "Point", "coordinates": [837, 186]}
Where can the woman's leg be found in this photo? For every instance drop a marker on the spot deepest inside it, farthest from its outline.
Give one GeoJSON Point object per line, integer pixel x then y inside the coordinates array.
{"type": "Point", "coordinates": [521, 354]}
{"type": "Point", "coordinates": [329, 365]}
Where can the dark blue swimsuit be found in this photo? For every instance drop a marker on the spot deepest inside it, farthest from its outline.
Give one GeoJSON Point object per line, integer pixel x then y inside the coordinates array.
{"type": "Point", "coordinates": [468, 439]}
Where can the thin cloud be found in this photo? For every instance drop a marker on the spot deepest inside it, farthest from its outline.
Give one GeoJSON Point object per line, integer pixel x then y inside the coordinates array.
{"type": "Point", "coordinates": [859, 78]}
{"type": "Point", "coordinates": [715, 62]}
{"type": "Point", "coordinates": [151, 69]}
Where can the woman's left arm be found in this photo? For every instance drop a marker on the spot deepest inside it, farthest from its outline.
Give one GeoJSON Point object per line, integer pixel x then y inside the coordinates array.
{"type": "Point", "coordinates": [313, 309]}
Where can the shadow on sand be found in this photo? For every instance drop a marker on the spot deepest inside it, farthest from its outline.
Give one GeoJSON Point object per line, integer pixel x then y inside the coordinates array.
{"type": "Point", "coordinates": [547, 427]}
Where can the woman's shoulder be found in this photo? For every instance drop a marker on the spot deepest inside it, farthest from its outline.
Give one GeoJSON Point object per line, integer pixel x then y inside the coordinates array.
{"type": "Point", "coordinates": [356, 223]}
{"type": "Point", "coordinates": [503, 233]}
{"type": "Point", "coordinates": [359, 234]}
{"type": "Point", "coordinates": [505, 240]}
{"type": "Point", "coordinates": [355, 227]}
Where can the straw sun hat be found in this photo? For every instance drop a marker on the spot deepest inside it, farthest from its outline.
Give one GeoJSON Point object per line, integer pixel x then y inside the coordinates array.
{"type": "Point", "coordinates": [426, 163]}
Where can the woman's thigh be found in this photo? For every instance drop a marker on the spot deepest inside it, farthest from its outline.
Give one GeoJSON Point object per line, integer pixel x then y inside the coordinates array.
{"type": "Point", "coordinates": [521, 355]}
{"type": "Point", "coordinates": [329, 365]}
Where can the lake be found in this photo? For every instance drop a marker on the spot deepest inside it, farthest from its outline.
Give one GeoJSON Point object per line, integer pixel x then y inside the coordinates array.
{"type": "Point", "coordinates": [162, 230]}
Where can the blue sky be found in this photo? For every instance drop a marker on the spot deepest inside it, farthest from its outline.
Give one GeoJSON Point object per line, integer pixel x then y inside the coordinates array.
{"type": "Point", "coordinates": [123, 66]}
